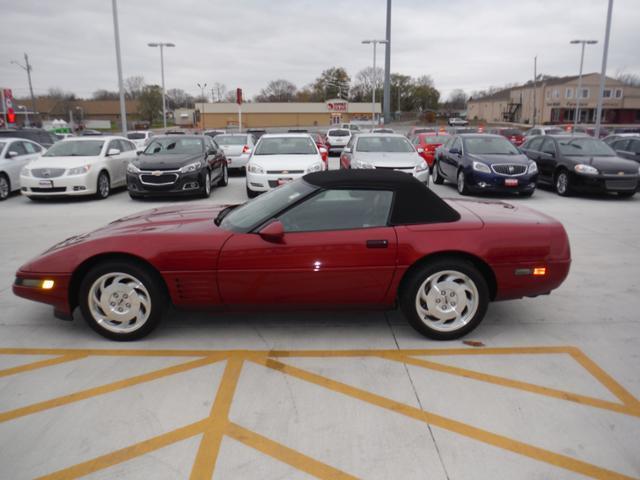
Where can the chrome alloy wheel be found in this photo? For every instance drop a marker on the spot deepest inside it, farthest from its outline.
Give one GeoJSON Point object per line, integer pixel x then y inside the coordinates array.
{"type": "Point", "coordinates": [119, 302]}
{"type": "Point", "coordinates": [4, 188]}
{"type": "Point", "coordinates": [562, 183]}
{"type": "Point", "coordinates": [447, 301]}
{"type": "Point", "coordinates": [103, 186]}
{"type": "Point", "coordinates": [207, 184]}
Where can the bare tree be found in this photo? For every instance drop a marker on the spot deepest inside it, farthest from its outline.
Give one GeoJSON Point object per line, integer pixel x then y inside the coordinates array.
{"type": "Point", "coordinates": [631, 79]}
{"type": "Point", "coordinates": [103, 94]}
{"type": "Point", "coordinates": [133, 86]}
{"type": "Point", "coordinates": [230, 97]}
{"type": "Point", "coordinates": [178, 98]}
{"type": "Point", "coordinates": [218, 91]}
{"type": "Point", "coordinates": [457, 99]}
{"type": "Point", "coordinates": [277, 91]}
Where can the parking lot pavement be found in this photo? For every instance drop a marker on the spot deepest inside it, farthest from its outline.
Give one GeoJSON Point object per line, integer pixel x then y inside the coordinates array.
{"type": "Point", "coordinates": [329, 394]}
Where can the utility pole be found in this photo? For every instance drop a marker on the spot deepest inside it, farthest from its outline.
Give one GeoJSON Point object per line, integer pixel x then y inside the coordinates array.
{"type": "Point", "coordinates": [123, 110]}
{"type": "Point", "coordinates": [374, 79]}
{"type": "Point", "coordinates": [202, 97]}
{"type": "Point", "coordinates": [603, 74]}
{"type": "Point", "coordinates": [579, 91]}
{"type": "Point", "coordinates": [164, 97]}
{"type": "Point", "coordinates": [27, 68]}
{"type": "Point", "coordinates": [387, 69]}
{"type": "Point", "coordinates": [535, 83]}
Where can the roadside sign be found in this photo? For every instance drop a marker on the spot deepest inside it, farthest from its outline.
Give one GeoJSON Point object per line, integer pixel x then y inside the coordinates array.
{"type": "Point", "coordinates": [239, 96]}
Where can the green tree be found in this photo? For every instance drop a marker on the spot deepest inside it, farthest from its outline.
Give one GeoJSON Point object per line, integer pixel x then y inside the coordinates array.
{"type": "Point", "coordinates": [333, 82]}
{"type": "Point", "coordinates": [423, 94]}
{"type": "Point", "coordinates": [150, 103]}
{"type": "Point", "coordinates": [401, 92]}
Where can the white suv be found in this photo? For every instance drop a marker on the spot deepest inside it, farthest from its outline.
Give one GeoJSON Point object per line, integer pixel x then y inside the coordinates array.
{"type": "Point", "coordinates": [337, 139]}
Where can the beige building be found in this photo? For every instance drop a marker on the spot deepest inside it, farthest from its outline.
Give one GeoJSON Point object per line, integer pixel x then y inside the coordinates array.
{"type": "Point", "coordinates": [555, 102]}
{"type": "Point", "coordinates": [291, 114]}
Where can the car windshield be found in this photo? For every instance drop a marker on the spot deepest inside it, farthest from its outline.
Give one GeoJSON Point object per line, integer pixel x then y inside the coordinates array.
{"type": "Point", "coordinates": [286, 146]}
{"type": "Point", "coordinates": [264, 207]}
{"type": "Point", "coordinates": [174, 146]}
{"type": "Point", "coordinates": [135, 136]}
{"type": "Point", "coordinates": [583, 147]}
{"type": "Point", "coordinates": [231, 139]}
{"type": "Point", "coordinates": [489, 146]}
{"type": "Point", "coordinates": [554, 131]}
{"type": "Point", "coordinates": [338, 133]}
{"type": "Point", "coordinates": [438, 139]}
{"type": "Point", "coordinates": [422, 130]}
{"type": "Point", "coordinates": [384, 144]}
{"type": "Point", "coordinates": [75, 148]}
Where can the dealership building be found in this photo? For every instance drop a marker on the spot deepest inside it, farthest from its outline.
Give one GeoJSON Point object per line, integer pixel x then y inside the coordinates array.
{"type": "Point", "coordinates": [270, 115]}
{"type": "Point", "coordinates": [554, 101]}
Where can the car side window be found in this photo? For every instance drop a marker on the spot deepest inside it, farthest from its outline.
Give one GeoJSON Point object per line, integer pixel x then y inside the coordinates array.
{"type": "Point", "coordinates": [17, 147]}
{"type": "Point", "coordinates": [339, 210]}
{"type": "Point", "coordinates": [535, 144]}
{"type": "Point", "coordinates": [548, 147]}
{"type": "Point", "coordinates": [457, 143]}
{"type": "Point", "coordinates": [31, 148]}
{"type": "Point", "coordinates": [620, 144]}
{"type": "Point", "coordinates": [634, 146]}
{"type": "Point", "coordinates": [114, 144]}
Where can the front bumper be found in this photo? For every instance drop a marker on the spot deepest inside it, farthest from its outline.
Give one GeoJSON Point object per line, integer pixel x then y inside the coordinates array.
{"type": "Point", "coordinates": [58, 296]}
{"type": "Point", "coordinates": [263, 182]}
{"type": "Point", "coordinates": [491, 182]}
{"type": "Point", "coordinates": [604, 183]}
{"type": "Point", "coordinates": [65, 185]}
{"type": "Point", "coordinates": [175, 183]}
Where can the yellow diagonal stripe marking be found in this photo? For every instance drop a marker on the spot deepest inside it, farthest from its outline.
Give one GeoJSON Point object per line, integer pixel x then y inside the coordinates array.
{"type": "Point", "coordinates": [102, 389]}
{"type": "Point", "coordinates": [40, 364]}
{"type": "Point", "coordinates": [285, 454]}
{"type": "Point", "coordinates": [460, 428]}
{"type": "Point", "coordinates": [127, 453]}
{"type": "Point", "coordinates": [217, 422]}
{"type": "Point", "coordinates": [528, 387]}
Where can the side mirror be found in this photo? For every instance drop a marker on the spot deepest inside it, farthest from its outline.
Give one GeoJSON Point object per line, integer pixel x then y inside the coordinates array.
{"type": "Point", "coordinates": [420, 150]}
{"type": "Point", "coordinates": [274, 232]}
{"type": "Point", "coordinates": [455, 151]}
{"type": "Point", "coordinates": [113, 151]}
{"type": "Point", "coordinates": [346, 150]}
{"type": "Point", "coordinates": [12, 154]}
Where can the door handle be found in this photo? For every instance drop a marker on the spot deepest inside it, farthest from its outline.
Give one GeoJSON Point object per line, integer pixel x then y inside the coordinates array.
{"type": "Point", "coordinates": [377, 243]}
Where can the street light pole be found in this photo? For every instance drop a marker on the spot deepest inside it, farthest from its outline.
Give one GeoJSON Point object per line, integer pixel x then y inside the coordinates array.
{"type": "Point", "coordinates": [579, 90]}
{"type": "Point", "coordinates": [387, 69]}
{"type": "Point", "coordinates": [27, 67]}
{"type": "Point", "coordinates": [164, 100]}
{"type": "Point", "coordinates": [603, 74]}
{"type": "Point", "coordinates": [116, 31]}
{"type": "Point", "coordinates": [202, 87]}
{"type": "Point", "coordinates": [374, 78]}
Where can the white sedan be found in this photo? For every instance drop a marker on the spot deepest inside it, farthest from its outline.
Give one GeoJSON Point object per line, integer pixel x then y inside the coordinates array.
{"type": "Point", "coordinates": [280, 158]}
{"type": "Point", "coordinates": [79, 166]}
{"type": "Point", "coordinates": [15, 153]}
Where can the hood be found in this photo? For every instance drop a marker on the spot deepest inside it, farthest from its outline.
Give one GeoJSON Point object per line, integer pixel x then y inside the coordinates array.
{"type": "Point", "coordinates": [611, 165]}
{"type": "Point", "coordinates": [166, 161]}
{"type": "Point", "coordinates": [389, 159]}
{"type": "Point", "coordinates": [62, 162]}
{"type": "Point", "coordinates": [285, 162]}
{"type": "Point", "coordinates": [495, 159]}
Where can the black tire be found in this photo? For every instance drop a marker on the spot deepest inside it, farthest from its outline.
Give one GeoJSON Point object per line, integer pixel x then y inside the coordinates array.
{"type": "Point", "coordinates": [154, 287]}
{"type": "Point", "coordinates": [103, 187]}
{"type": "Point", "coordinates": [251, 193]}
{"type": "Point", "coordinates": [224, 178]}
{"type": "Point", "coordinates": [461, 183]}
{"type": "Point", "coordinates": [134, 196]}
{"type": "Point", "coordinates": [562, 183]}
{"type": "Point", "coordinates": [410, 286]}
{"type": "Point", "coordinates": [527, 194]}
{"type": "Point", "coordinates": [5, 187]}
{"type": "Point", "coordinates": [435, 175]}
{"type": "Point", "coordinates": [626, 194]}
{"type": "Point", "coordinates": [206, 185]}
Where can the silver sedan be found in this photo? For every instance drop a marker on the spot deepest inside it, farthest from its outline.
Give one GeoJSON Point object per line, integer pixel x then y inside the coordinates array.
{"type": "Point", "coordinates": [384, 151]}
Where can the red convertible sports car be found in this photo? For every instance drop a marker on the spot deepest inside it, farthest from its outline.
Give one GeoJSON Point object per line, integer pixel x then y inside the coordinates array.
{"type": "Point", "coordinates": [346, 238]}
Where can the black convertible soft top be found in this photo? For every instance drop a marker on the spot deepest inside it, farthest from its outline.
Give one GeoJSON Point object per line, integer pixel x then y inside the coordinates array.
{"type": "Point", "coordinates": [414, 201]}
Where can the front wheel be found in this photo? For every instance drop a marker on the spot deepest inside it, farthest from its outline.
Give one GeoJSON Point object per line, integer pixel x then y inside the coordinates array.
{"type": "Point", "coordinates": [122, 301]}
{"type": "Point", "coordinates": [463, 189]}
{"type": "Point", "coordinates": [435, 175]}
{"type": "Point", "coordinates": [251, 193]}
{"type": "Point", "coordinates": [206, 187]}
{"type": "Point", "coordinates": [446, 299]}
{"type": "Point", "coordinates": [224, 178]}
{"type": "Point", "coordinates": [563, 184]}
{"type": "Point", "coordinates": [104, 186]}
{"type": "Point", "coordinates": [5, 187]}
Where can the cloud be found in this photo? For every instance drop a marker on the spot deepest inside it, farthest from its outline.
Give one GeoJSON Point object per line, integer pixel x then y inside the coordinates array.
{"type": "Point", "coordinates": [467, 44]}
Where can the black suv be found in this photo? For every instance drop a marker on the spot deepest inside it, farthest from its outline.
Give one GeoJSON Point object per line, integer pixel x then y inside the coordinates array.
{"type": "Point", "coordinates": [38, 135]}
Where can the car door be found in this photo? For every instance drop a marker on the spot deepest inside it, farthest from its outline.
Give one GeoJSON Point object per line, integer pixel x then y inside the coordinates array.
{"type": "Point", "coordinates": [449, 167]}
{"type": "Point", "coordinates": [15, 163]}
{"type": "Point", "coordinates": [114, 163]}
{"type": "Point", "coordinates": [547, 158]}
{"type": "Point", "coordinates": [216, 159]}
{"type": "Point", "coordinates": [346, 156]}
{"type": "Point", "coordinates": [337, 250]}
{"type": "Point", "coordinates": [633, 148]}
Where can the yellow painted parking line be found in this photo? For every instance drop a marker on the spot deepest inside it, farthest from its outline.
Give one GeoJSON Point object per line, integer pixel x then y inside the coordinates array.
{"type": "Point", "coordinates": [127, 453]}
{"type": "Point", "coordinates": [102, 389]}
{"type": "Point", "coordinates": [217, 422]}
{"type": "Point", "coordinates": [516, 384]}
{"type": "Point", "coordinates": [116, 352]}
{"type": "Point", "coordinates": [285, 454]}
{"type": "Point", "coordinates": [41, 364]}
{"type": "Point", "coordinates": [460, 428]}
{"type": "Point", "coordinates": [605, 379]}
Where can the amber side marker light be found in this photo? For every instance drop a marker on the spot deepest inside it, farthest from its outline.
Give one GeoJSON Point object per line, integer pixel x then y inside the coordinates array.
{"type": "Point", "coordinates": [540, 271]}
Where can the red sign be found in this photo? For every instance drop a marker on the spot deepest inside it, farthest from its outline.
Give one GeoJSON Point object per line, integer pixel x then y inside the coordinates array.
{"type": "Point", "coordinates": [337, 106]}
{"type": "Point", "coordinates": [239, 96]}
{"type": "Point", "coordinates": [7, 107]}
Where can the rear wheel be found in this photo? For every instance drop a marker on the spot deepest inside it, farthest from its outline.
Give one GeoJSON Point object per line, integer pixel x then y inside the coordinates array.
{"type": "Point", "coordinates": [224, 178]}
{"type": "Point", "coordinates": [435, 175]}
{"type": "Point", "coordinates": [121, 300]}
{"type": "Point", "coordinates": [463, 189]}
{"type": "Point", "coordinates": [5, 187]}
{"type": "Point", "coordinates": [445, 299]}
{"type": "Point", "coordinates": [563, 183]}
{"type": "Point", "coordinates": [103, 187]}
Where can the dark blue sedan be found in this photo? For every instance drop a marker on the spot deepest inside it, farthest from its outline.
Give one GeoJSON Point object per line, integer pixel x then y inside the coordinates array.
{"type": "Point", "coordinates": [484, 163]}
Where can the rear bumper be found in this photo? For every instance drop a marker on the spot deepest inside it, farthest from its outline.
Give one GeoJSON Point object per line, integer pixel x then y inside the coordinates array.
{"type": "Point", "coordinates": [512, 286]}
{"type": "Point", "coordinates": [263, 182]}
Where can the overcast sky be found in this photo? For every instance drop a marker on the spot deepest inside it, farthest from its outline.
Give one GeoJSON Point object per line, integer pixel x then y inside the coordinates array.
{"type": "Point", "coordinates": [468, 44]}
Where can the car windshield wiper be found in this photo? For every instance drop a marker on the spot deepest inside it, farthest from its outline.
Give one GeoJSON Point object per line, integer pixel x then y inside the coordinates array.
{"type": "Point", "coordinates": [223, 213]}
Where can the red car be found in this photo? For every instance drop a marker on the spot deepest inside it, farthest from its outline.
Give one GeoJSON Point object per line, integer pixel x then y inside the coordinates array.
{"type": "Point", "coordinates": [418, 130]}
{"type": "Point", "coordinates": [514, 135]}
{"type": "Point", "coordinates": [342, 238]}
{"type": "Point", "coordinates": [426, 144]}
